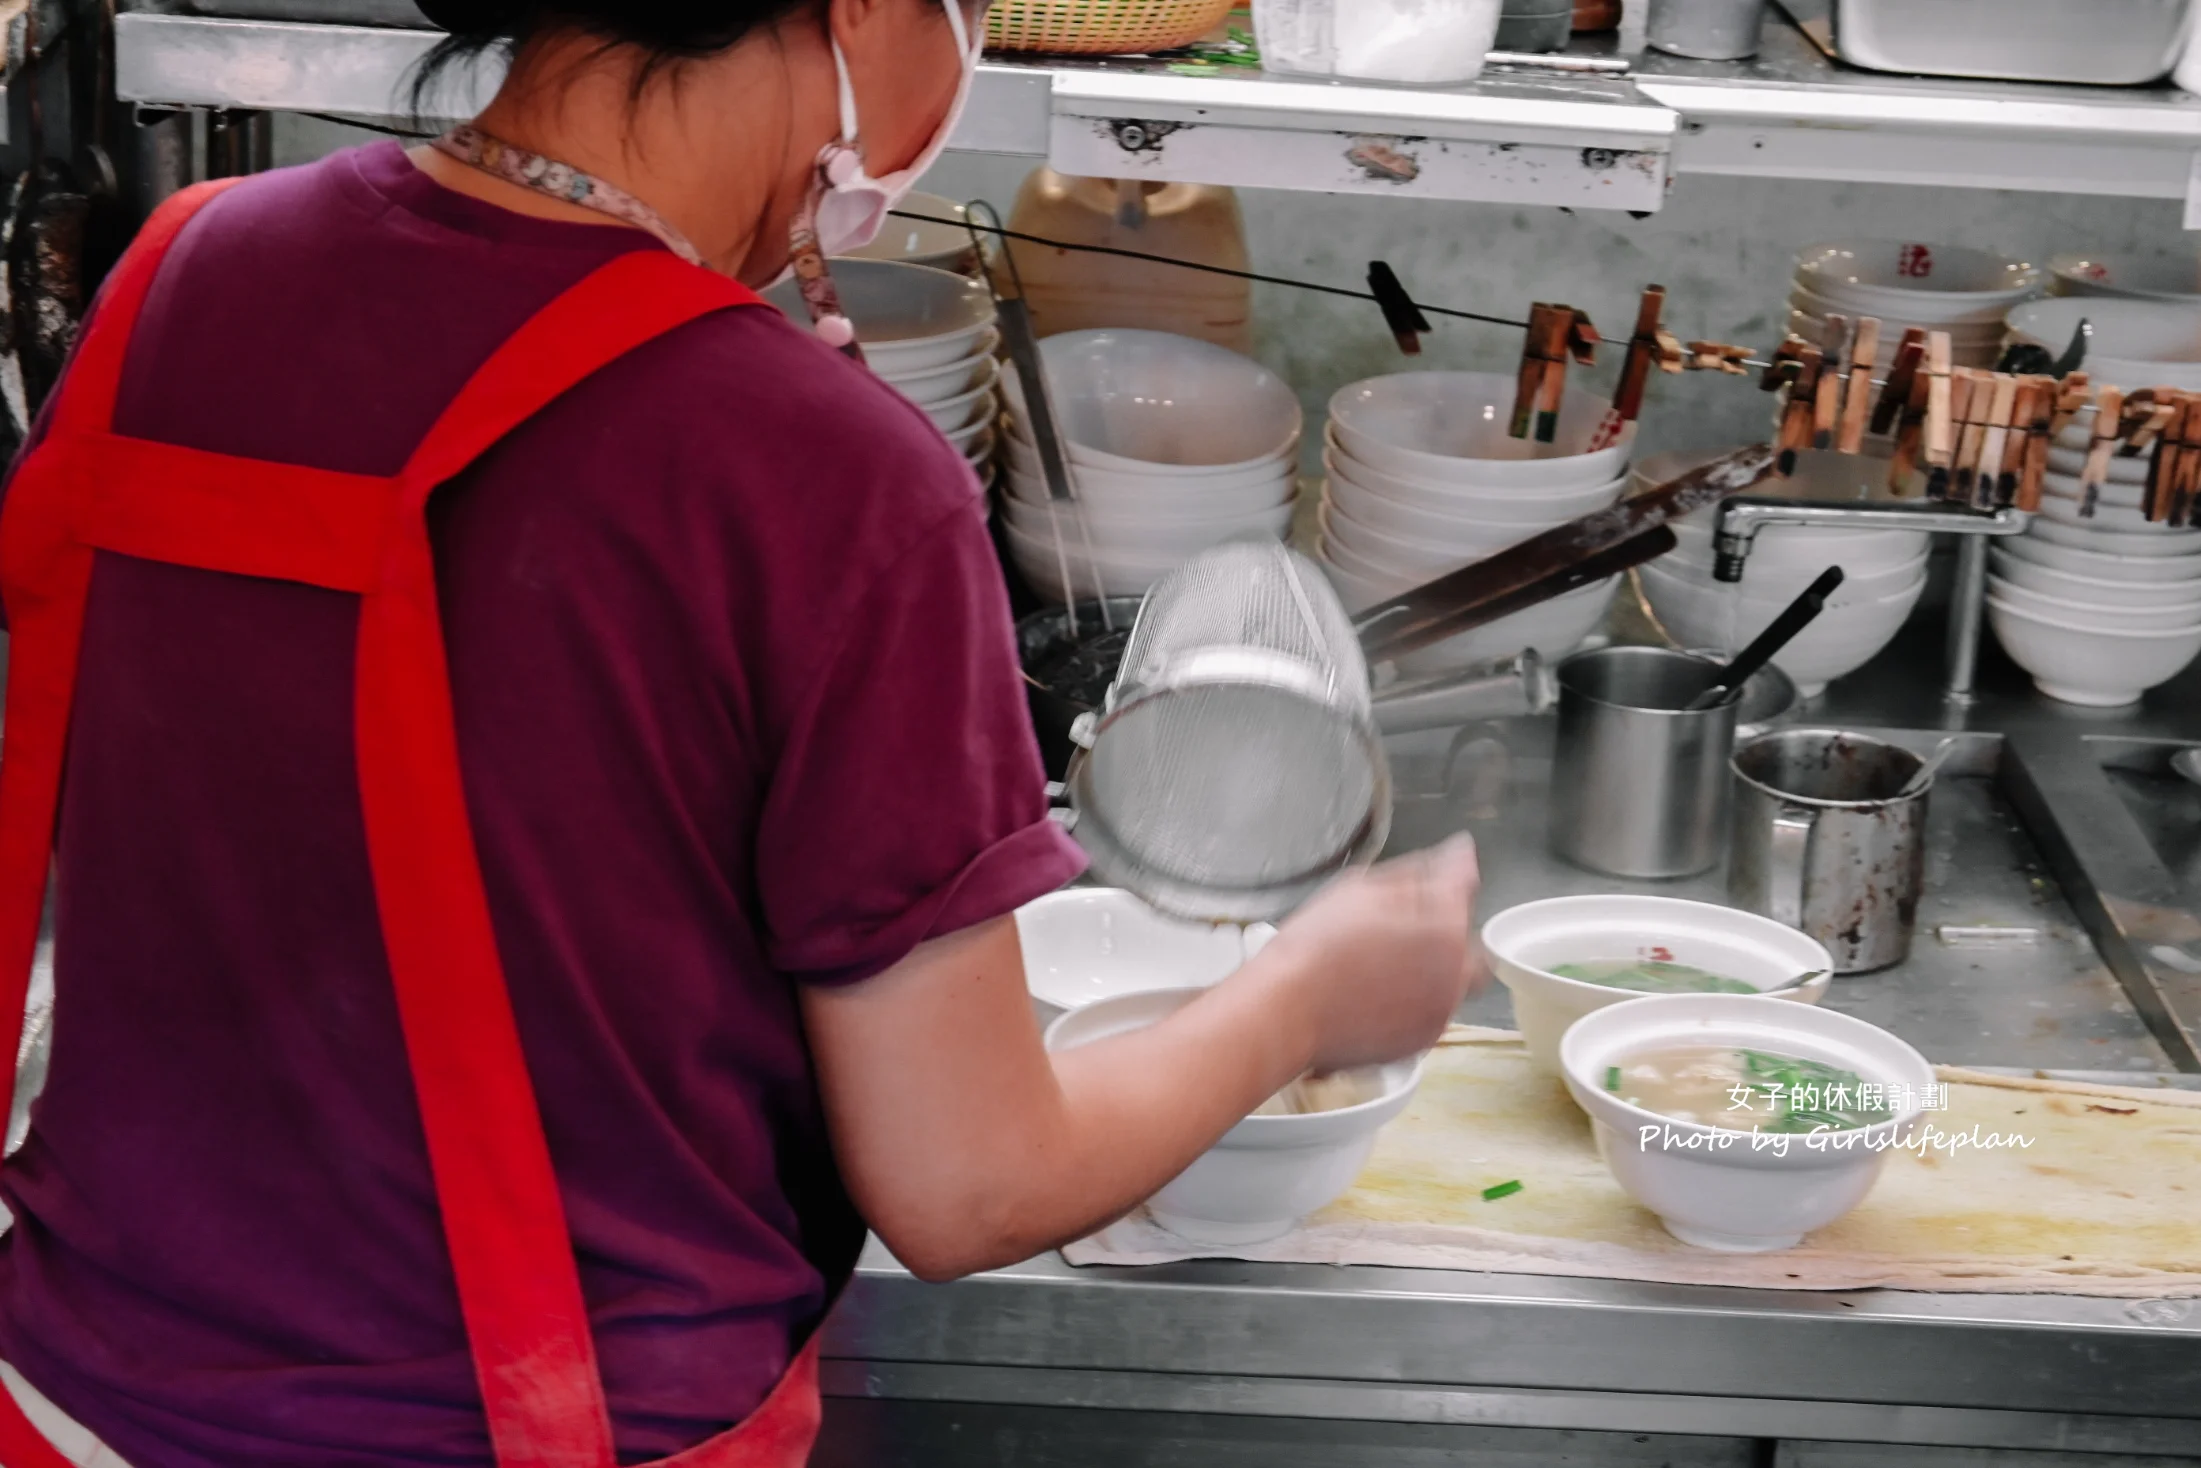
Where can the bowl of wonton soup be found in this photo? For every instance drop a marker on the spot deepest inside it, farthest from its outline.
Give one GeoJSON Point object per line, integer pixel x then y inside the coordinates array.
{"type": "Point", "coordinates": [1564, 957]}
{"type": "Point", "coordinates": [1743, 1125]}
{"type": "Point", "coordinates": [1300, 1151]}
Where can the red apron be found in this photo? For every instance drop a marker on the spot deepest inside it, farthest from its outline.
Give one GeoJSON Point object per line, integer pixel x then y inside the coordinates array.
{"type": "Point", "coordinates": [88, 489]}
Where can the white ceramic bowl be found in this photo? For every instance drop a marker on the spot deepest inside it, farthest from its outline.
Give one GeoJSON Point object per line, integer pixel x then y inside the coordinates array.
{"type": "Point", "coordinates": [1411, 522]}
{"type": "Point", "coordinates": [1089, 943]}
{"type": "Point", "coordinates": [1525, 941]}
{"type": "Point", "coordinates": [1160, 500]}
{"type": "Point", "coordinates": [2069, 586]}
{"type": "Point", "coordinates": [2117, 509]}
{"type": "Point", "coordinates": [1086, 466]}
{"type": "Point", "coordinates": [1913, 281]}
{"type": "Point", "coordinates": [1138, 537]}
{"type": "Point", "coordinates": [2093, 667]}
{"type": "Point", "coordinates": [1967, 323]}
{"type": "Point", "coordinates": [921, 241]}
{"type": "Point", "coordinates": [1431, 554]}
{"type": "Point", "coordinates": [1489, 504]}
{"type": "Point", "coordinates": [937, 384]}
{"type": "Point", "coordinates": [1103, 573]}
{"type": "Point", "coordinates": [1722, 1189]}
{"type": "Point", "coordinates": [1267, 1172]}
{"type": "Point", "coordinates": [908, 317]}
{"type": "Point", "coordinates": [1780, 551]}
{"type": "Point", "coordinates": [1131, 400]}
{"type": "Point", "coordinates": [2127, 477]}
{"type": "Point", "coordinates": [2102, 615]}
{"type": "Point", "coordinates": [2175, 278]}
{"type": "Point", "coordinates": [1554, 628]}
{"type": "Point", "coordinates": [1450, 428]}
{"type": "Point", "coordinates": [2150, 543]}
{"type": "Point", "coordinates": [963, 410]}
{"type": "Point", "coordinates": [2155, 334]}
{"type": "Point", "coordinates": [2082, 561]}
{"type": "Point", "coordinates": [972, 438]}
{"type": "Point", "coordinates": [1846, 636]}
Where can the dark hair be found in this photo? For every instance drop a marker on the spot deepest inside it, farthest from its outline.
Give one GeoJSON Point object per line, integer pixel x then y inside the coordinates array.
{"type": "Point", "coordinates": [667, 31]}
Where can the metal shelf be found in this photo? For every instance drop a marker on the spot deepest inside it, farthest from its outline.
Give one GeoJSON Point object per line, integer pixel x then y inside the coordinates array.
{"type": "Point", "coordinates": [1597, 142]}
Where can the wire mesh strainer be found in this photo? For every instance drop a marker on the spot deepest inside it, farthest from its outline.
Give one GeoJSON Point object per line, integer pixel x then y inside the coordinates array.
{"type": "Point", "coordinates": [1236, 764]}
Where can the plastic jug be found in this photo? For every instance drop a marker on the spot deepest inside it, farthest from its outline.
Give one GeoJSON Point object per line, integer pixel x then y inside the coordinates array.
{"type": "Point", "coordinates": [1070, 290]}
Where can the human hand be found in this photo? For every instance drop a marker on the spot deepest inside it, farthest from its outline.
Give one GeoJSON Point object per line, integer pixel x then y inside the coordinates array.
{"type": "Point", "coordinates": [1380, 958]}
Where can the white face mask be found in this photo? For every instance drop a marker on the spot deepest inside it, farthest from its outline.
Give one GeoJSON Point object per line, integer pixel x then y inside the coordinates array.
{"type": "Point", "coordinates": [854, 206]}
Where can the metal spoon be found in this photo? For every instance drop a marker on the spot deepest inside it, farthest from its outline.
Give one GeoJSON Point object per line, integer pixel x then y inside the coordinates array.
{"type": "Point", "coordinates": [2187, 762]}
{"type": "Point", "coordinates": [1925, 774]}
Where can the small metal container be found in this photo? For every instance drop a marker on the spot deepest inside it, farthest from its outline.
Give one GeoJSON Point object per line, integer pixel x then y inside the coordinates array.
{"type": "Point", "coordinates": [1823, 843]}
{"type": "Point", "coordinates": [1709, 30]}
{"type": "Point", "coordinates": [1640, 788]}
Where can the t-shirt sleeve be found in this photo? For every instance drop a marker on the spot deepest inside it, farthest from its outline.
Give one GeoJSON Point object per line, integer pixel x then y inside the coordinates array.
{"type": "Point", "coordinates": [908, 801]}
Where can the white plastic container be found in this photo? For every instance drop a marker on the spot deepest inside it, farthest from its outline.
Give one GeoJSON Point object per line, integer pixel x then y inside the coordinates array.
{"type": "Point", "coordinates": [2103, 42]}
{"type": "Point", "coordinates": [1425, 42]}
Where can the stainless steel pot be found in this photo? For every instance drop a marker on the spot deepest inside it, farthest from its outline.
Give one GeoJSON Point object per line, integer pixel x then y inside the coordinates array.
{"type": "Point", "coordinates": [1640, 786]}
{"type": "Point", "coordinates": [1824, 842]}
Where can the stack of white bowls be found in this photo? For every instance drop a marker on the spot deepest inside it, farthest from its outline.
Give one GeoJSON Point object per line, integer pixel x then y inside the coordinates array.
{"type": "Point", "coordinates": [2132, 277]}
{"type": "Point", "coordinates": [2131, 344]}
{"type": "Point", "coordinates": [929, 334]}
{"type": "Point", "coordinates": [1936, 287]}
{"type": "Point", "coordinates": [1172, 445]}
{"type": "Point", "coordinates": [1884, 574]}
{"type": "Point", "coordinates": [1424, 479]}
{"type": "Point", "coordinates": [2098, 608]}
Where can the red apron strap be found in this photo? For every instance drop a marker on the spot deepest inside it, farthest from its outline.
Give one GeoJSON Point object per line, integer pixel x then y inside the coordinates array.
{"type": "Point", "coordinates": [503, 1217]}
{"type": "Point", "coordinates": [44, 575]}
{"type": "Point", "coordinates": [518, 1285]}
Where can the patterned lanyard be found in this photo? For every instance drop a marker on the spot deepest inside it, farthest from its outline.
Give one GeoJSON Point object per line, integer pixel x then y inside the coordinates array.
{"type": "Point", "coordinates": [471, 146]}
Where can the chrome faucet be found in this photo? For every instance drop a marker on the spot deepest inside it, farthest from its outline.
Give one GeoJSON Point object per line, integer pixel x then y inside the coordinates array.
{"type": "Point", "coordinates": [1741, 518]}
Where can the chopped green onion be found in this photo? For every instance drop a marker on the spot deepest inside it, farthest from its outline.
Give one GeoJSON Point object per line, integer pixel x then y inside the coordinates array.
{"type": "Point", "coordinates": [1612, 1077]}
{"type": "Point", "coordinates": [1502, 1190]}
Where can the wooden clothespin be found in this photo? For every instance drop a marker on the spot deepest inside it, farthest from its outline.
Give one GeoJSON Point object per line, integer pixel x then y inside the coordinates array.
{"type": "Point", "coordinates": [1826, 397]}
{"type": "Point", "coordinates": [1645, 350]}
{"type": "Point", "coordinates": [2002, 404]}
{"type": "Point", "coordinates": [2037, 415]}
{"type": "Point", "coordinates": [2147, 413]}
{"type": "Point", "coordinates": [1971, 393]}
{"type": "Point", "coordinates": [2109, 412]}
{"type": "Point", "coordinates": [2072, 394]}
{"type": "Point", "coordinates": [2185, 462]}
{"type": "Point", "coordinates": [1857, 407]}
{"type": "Point", "coordinates": [2163, 462]}
{"type": "Point", "coordinates": [1573, 336]}
{"type": "Point", "coordinates": [1796, 417]}
{"type": "Point", "coordinates": [1910, 426]}
{"type": "Point", "coordinates": [1888, 414]}
{"type": "Point", "coordinates": [1672, 355]}
{"type": "Point", "coordinates": [1781, 371]}
{"type": "Point", "coordinates": [1940, 433]}
{"type": "Point", "coordinates": [1399, 311]}
{"type": "Point", "coordinates": [1542, 352]}
{"type": "Point", "coordinates": [1719, 357]}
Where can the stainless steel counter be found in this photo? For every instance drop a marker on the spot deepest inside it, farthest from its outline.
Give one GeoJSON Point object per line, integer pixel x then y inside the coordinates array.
{"type": "Point", "coordinates": [2059, 933]}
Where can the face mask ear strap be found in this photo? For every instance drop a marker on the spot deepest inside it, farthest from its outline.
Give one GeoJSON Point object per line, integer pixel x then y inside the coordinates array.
{"type": "Point", "coordinates": [848, 95]}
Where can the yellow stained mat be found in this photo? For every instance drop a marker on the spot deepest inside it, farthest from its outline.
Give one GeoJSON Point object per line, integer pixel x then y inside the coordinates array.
{"type": "Point", "coordinates": [2106, 1199]}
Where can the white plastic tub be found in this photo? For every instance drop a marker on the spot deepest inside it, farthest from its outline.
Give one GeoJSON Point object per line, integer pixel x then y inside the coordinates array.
{"type": "Point", "coordinates": [1427, 42]}
{"type": "Point", "coordinates": [2104, 42]}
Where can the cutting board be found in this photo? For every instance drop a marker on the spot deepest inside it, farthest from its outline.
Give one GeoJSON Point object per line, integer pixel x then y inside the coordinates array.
{"type": "Point", "coordinates": [2104, 1198]}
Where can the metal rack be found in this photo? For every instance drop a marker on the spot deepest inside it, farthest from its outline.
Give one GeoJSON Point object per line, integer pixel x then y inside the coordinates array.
{"type": "Point", "coordinates": [1581, 141]}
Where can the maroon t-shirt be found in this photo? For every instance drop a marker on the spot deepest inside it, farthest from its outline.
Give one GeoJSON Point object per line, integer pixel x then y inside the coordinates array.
{"type": "Point", "coordinates": [737, 710]}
